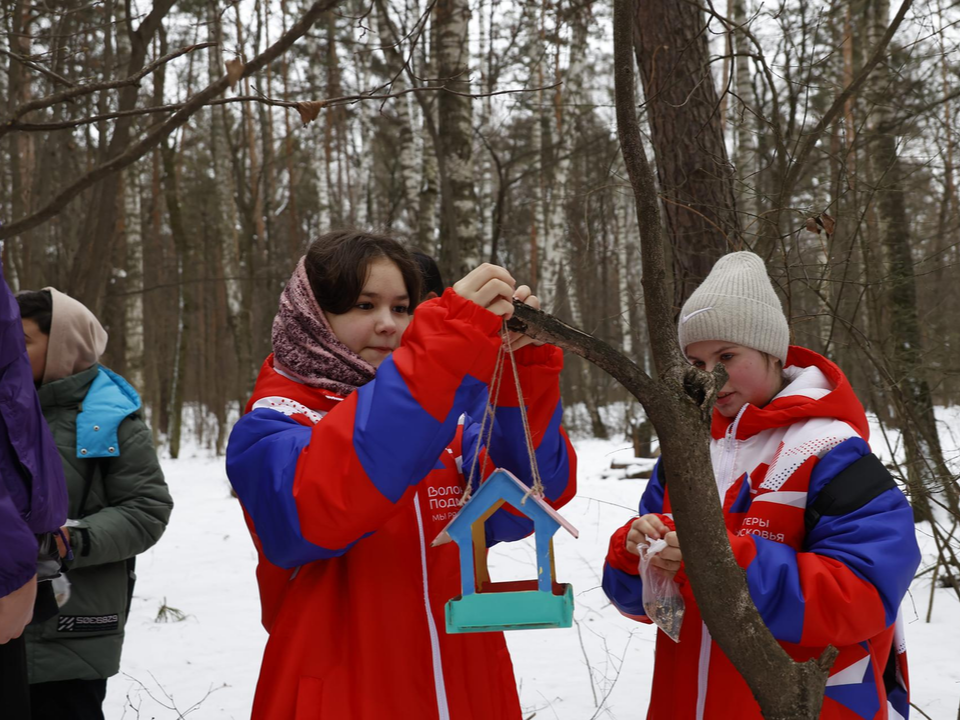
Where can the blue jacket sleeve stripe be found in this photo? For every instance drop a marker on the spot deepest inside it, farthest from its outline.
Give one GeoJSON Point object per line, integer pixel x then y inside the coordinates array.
{"type": "Point", "coordinates": [874, 542]}
{"type": "Point", "coordinates": [624, 590]}
{"type": "Point", "coordinates": [262, 456]}
{"type": "Point", "coordinates": [382, 438]}
{"type": "Point", "coordinates": [774, 582]}
{"type": "Point", "coordinates": [877, 541]}
{"type": "Point", "coordinates": [652, 499]}
{"type": "Point", "coordinates": [502, 526]}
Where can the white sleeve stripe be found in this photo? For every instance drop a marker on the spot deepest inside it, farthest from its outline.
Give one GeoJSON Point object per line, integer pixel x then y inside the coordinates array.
{"type": "Point", "coordinates": [794, 499]}
{"type": "Point", "coordinates": [288, 407]}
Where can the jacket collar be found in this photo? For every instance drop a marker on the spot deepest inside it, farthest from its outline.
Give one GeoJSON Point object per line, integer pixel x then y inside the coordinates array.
{"type": "Point", "coordinates": [103, 400]}
{"type": "Point", "coordinates": [816, 388]}
{"type": "Point", "coordinates": [69, 391]}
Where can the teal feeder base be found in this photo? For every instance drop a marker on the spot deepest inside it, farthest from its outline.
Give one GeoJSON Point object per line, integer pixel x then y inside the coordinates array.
{"type": "Point", "coordinates": [498, 609]}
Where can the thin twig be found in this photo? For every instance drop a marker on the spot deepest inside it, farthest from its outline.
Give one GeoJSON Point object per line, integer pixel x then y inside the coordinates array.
{"type": "Point", "coordinates": [289, 104]}
{"type": "Point", "coordinates": [39, 68]}
{"type": "Point", "coordinates": [158, 134]}
{"type": "Point", "coordinates": [586, 660]}
{"type": "Point", "coordinates": [7, 124]}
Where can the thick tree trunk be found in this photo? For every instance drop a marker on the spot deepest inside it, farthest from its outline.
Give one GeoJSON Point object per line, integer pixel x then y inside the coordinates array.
{"type": "Point", "coordinates": [91, 267]}
{"type": "Point", "coordinates": [133, 239]}
{"type": "Point", "coordinates": [22, 157]}
{"type": "Point", "coordinates": [225, 223]}
{"type": "Point", "coordinates": [927, 474]}
{"type": "Point", "coordinates": [695, 177]}
{"type": "Point", "coordinates": [545, 257]}
{"type": "Point", "coordinates": [679, 405]}
{"type": "Point", "coordinates": [745, 124]}
{"type": "Point", "coordinates": [133, 282]}
{"type": "Point", "coordinates": [409, 165]}
{"type": "Point", "coordinates": [459, 225]}
{"type": "Point", "coordinates": [187, 294]}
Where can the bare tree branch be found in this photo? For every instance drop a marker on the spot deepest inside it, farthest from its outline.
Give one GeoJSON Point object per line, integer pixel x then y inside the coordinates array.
{"type": "Point", "coordinates": [659, 311]}
{"type": "Point", "coordinates": [911, 113]}
{"type": "Point", "coordinates": [38, 68]}
{"type": "Point", "coordinates": [290, 104]}
{"type": "Point", "coordinates": [800, 159]}
{"type": "Point", "coordinates": [9, 123]}
{"type": "Point", "coordinates": [151, 140]}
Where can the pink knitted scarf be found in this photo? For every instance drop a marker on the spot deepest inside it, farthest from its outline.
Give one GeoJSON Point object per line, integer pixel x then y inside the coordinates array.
{"type": "Point", "coordinates": [304, 346]}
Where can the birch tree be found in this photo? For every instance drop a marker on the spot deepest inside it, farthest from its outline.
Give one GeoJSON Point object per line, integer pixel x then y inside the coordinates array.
{"type": "Point", "coordinates": [459, 223]}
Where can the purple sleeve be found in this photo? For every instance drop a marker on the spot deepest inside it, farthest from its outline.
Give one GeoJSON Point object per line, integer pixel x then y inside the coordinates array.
{"type": "Point", "coordinates": [33, 495]}
{"type": "Point", "coordinates": [18, 546]}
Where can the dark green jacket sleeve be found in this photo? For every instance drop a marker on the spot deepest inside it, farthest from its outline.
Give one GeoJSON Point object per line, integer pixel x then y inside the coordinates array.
{"type": "Point", "coordinates": [137, 503]}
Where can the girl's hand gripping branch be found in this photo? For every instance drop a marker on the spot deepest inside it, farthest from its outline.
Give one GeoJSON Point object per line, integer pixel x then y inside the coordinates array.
{"type": "Point", "coordinates": [518, 340]}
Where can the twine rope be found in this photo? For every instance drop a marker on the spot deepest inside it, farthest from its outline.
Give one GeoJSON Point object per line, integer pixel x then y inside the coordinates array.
{"type": "Point", "coordinates": [486, 424]}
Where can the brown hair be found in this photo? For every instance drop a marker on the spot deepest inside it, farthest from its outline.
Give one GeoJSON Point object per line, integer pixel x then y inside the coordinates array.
{"type": "Point", "coordinates": [337, 265]}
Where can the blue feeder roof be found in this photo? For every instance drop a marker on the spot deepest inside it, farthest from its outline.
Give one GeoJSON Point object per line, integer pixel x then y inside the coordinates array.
{"type": "Point", "coordinates": [503, 485]}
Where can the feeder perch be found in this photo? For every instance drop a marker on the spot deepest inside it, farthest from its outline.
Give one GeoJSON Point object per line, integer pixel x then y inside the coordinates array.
{"type": "Point", "coordinates": [485, 606]}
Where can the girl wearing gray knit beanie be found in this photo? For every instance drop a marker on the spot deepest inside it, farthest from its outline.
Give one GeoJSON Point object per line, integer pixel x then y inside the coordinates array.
{"type": "Point", "coordinates": [787, 428]}
{"type": "Point", "coordinates": [734, 318]}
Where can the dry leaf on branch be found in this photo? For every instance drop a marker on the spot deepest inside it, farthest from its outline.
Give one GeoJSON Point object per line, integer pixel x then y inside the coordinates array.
{"type": "Point", "coordinates": [821, 222]}
{"type": "Point", "coordinates": [829, 224]}
{"type": "Point", "coordinates": [234, 70]}
{"type": "Point", "coordinates": [309, 110]}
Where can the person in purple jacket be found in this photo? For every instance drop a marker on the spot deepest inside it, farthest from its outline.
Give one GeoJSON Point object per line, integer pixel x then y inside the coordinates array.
{"type": "Point", "coordinates": [33, 501]}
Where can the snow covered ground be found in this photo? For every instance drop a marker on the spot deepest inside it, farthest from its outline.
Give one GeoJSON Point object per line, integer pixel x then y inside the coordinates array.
{"type": "Point", "coordinates": [206, 665]}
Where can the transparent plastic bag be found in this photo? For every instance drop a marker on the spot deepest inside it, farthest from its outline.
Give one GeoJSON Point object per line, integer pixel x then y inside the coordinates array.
{"type": "Point", "coordinates": [662, 600]}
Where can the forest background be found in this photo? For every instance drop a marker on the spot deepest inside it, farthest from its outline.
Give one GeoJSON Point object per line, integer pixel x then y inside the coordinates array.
{"type": "Point", "coordinates": [167, 164]}
{"type": "Point", "coordinates": [822, 136]}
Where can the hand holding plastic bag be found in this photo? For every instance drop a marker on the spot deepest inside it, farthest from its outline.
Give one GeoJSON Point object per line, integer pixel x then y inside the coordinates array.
{"type": "Point", "coordinates": [662, 600]}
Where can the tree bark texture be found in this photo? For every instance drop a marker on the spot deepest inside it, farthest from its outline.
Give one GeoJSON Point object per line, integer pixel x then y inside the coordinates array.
{"type": "Point", "coordinates": [695, 177]}
{"type": "Point", "coordinates": [160, 132]}
{"type": "Point", "coordinates": [926, 469]}
{"type": "Point", "coordinates": [459, 225]}
{"type": "Point", "coordinates": [236, 253]}
{"type": "Point", "coordinates": [133, 238]}
{"type": "Point", "coordinates": [91, 267]}
{"type": "Point", "coordinates": [187, 293]}
{"type": "Point", "coordinates": [679, 406]}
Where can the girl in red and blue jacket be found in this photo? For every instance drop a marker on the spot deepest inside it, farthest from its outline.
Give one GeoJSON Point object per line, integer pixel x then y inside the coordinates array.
{"type": "Point", "coordinates": [784, 425]}
{"type": "Point", "coordinates": [350, 460]}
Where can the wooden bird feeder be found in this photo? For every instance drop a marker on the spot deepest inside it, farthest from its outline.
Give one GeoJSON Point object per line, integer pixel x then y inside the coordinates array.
{"type": "Point", "coordinates": [485, 606]}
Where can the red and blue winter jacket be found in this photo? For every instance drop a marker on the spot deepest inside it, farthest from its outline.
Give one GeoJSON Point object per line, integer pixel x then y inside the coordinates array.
{"type": "Point", "coordinates": [343, 497]}
{"type": "Point", "coordinates": [840, 584]}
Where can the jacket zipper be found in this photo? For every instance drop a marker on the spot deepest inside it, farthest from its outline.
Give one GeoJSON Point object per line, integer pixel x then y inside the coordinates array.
{"type": "Point", "coordinates": [443, 709]}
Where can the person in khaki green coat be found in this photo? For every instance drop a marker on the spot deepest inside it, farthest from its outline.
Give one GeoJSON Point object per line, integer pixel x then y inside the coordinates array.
{"type": "Point", "coordinates": [119, 504]}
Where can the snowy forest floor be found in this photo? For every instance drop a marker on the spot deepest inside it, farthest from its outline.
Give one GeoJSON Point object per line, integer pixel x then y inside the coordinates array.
{"type": "Point", "coordinates": [194, 639]}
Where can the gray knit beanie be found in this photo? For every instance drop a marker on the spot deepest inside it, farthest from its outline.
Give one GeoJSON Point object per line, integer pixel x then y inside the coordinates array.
{"type": "Point", "coordinates": [736, 303]}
